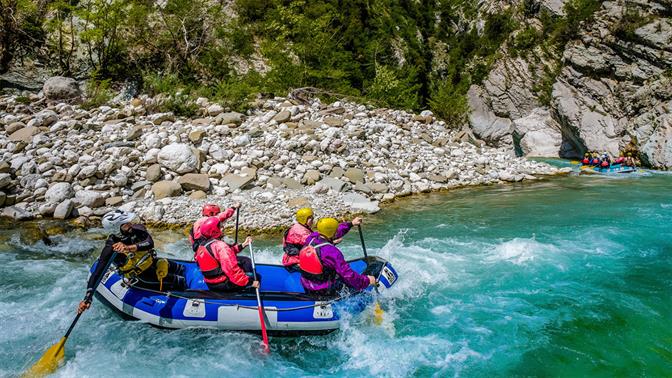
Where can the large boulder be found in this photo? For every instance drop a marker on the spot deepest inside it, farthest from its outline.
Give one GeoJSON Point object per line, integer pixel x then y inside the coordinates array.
{"type": "Point", "coordinates": [178, 157]}
{"type": "Point", "coordinates": [195, 181]}
{"type": "Point", "coordinates": [537, 134]}
{"type": "Point", "coordinates": [59, 192]}
{"type": "Point", "coordinates": [358, 202]}
{"type": "Point", "coordinates": [60, 88]}
{"type": "Point", "coordinates": [247, 176]}
{"type": "Point", "coordinates": [153, 173]}
{"type": "Point", "coordinates": [164, 189]}
{"type": "Point", "coordinates": [5, 179]}
{"type": "Point", "coordinates": [89, 198]}
{"type": "Point", "coordinates": [24, 135]}
{"type": "Point", "coordinates": [16, 213]}
{"type": "Point", "coordinates": [64, 209]}
{"type": "Point", "coordinates": [483, 121]}
{"type": "Point", "coordinates": [230, 118]}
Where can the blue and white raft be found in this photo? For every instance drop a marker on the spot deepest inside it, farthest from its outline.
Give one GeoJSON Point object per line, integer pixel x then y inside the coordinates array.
{"type": "Point", "coordinates": [613, 169]}
{"type": "Point", "coordinates": [288, 309]}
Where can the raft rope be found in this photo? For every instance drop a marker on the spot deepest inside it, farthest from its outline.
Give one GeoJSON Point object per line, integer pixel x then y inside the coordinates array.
{"type": "Point", "coordinates": [206, 301]}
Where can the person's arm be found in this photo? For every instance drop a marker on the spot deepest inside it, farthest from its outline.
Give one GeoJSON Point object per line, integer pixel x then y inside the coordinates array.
{"type": "Point", "coordinates": [103, 261]}
{"type": "Point", "coordinates": [349, 276]}
{"type": "Point", "coordinates": [146, 242]}
{"type": "Point", "coordinates": [343, 229]}
{"type": "Point", "coordinates": [226, 214]}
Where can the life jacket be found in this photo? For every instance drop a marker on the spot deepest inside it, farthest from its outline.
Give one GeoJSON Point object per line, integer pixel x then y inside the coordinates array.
{"type": "Point", "coordinates": [292, 240]}
{"type": "Point", "coordinates": [311, 266]}
{"type": "Point", "coordinates": [605, 164]}
{"type": "Point", "coordinates": [137, 262]}
{"type": "Point", "coordinates": [620, 160]}
{"type": "Point", "coordinates": [585, 161]}
{"type": "Point", "coordinates": [208, 263]}
{"type": "Point", "coordinates": [595, 161]}
{"type": "Point", "coordinates": [196, 242]}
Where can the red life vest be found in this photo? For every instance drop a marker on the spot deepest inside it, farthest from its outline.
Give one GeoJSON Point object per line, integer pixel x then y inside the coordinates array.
{"type": "Point", "coordinates": [209, 265]}
{"type": "Point", "coordinates": [585, 161]}
{"type": "Point", "coordinates": [605, 164]}
{"type": "Point", "coordinates": [196, 242]}
{"type": "Point", "coordinates": [620, 160]}
{"type": "Point", "coordinates": [311, 265]}
{"type": "Point", "coordinates": [293, 239]}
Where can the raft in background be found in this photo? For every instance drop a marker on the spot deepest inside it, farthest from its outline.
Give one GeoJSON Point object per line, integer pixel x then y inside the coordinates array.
{"type": "Point", "coordinates": [288, 309]}
{"type": "Point", "coordinates": [613, 169]}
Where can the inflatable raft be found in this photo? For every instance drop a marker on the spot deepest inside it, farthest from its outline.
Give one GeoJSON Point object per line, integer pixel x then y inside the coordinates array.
{"type": "Point", "coordinates": [288, 309]}
{"type": "Point", "coordinates": [614, 168]}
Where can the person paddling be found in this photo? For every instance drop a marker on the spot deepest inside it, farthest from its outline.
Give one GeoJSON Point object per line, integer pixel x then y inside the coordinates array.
{"type": "Point", "coordinates": [135, 258]}
{"type": "Point", "coordinates": [324, 271]}
{"type": "Point", "coordinates": [221, 268]}
{"type": "Point", "coordinates": [296, 237]}
{"type": "Point", "coordinates": [209, 210]}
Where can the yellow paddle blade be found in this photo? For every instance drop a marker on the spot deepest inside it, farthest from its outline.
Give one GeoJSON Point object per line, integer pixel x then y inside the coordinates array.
{"type": "Point", "coordinates": [49, 361]}
{"type": "Point", "coordinates": [378, 314]}
{"type": "Point", "coordinates": [575, 162]}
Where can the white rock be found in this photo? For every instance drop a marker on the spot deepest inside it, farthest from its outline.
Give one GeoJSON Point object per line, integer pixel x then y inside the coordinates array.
{"type": "Point", "coordinates": [178, 157]}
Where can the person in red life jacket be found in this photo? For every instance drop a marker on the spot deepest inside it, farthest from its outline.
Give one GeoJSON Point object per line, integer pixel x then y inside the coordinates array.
{"type": "Point", "coordinates": [209, 210]}
{"type": "Point", "coordinates": [586, 159]}
{"type": "Point", "coordinates": [620, 159]}
{"type": "Point", "coordinates": [221, 268]}
{"type": "Point", "coordinates": [606, 161]}
{"type": "Point", "coordinates": [296, 236]}
{"type": "Point", "coordinates": [324, 270]}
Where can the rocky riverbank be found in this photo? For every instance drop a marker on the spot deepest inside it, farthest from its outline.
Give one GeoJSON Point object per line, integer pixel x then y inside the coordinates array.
{"type": "Point", "coordinates": [59, 160]}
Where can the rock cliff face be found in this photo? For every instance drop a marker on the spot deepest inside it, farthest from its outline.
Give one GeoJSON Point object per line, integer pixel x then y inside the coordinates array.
{"type": "Point", "coordinates": [613, 90]}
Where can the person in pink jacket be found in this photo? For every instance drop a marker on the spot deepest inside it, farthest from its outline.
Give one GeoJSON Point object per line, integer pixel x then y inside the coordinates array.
{"type": "Point", "coordinates": [209, 210]}
{"type": "Point", "coordinates": [222, 269]}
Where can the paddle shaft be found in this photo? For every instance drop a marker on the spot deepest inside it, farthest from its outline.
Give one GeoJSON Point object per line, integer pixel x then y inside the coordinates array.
{"type": "Point", "coordinates": [79, 315]}
{"type": "Point", "coordinates": [361, 238]}
{"type": "Point", "coordinates": [260, 307]}
{"type": "Point", "coordinates": [235, 237]}
{"type": "Point", "coordinates": [366, 256]}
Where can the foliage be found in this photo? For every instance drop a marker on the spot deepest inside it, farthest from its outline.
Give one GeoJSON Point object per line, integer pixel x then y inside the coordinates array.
{"type": "Point", "coordinates": [402, 54]}
{"type": "Point", "coordinates": [387, 88]}
{"type": "Point", "coordinates": [98, 93]}
{"type": "Point", "coordinates": [526, 40]}
{"type": "Point", "coordinates": [449, 101]}
{"type": "Point", "coordinates": [631, 20]}
{"type": "Point", "coordinates": [21, 30]}
{"type": "Point", "coordinates": [22, 100]}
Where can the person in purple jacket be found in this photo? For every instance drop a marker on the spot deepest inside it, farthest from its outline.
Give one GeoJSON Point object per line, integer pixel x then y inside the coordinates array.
{"type": "Point", "coordinates": [324, 270]}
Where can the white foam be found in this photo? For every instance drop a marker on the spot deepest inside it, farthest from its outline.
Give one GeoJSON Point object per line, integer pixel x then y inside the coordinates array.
{"type": "Point", "coordinates": [520, 251]}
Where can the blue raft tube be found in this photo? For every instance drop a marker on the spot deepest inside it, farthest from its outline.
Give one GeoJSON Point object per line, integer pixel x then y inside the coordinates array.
{"type": "Point", "coordinates": [613, 169]}
{"type": "Point", "coordinates": [288, 309]}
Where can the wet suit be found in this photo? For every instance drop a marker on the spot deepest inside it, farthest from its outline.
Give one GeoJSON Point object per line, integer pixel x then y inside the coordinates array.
{"type": "Point", "coordinates": [139, 236]}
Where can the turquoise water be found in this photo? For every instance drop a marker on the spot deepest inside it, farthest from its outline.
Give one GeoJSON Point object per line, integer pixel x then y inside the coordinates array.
{"type": "Point", "coordinates": [567, 277]}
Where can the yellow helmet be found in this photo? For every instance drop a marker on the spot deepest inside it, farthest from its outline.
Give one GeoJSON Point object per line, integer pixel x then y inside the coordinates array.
{"type": "Point", "coordinates": [303, 214]}
{"type": "Point", "coordinates": [327, 227]}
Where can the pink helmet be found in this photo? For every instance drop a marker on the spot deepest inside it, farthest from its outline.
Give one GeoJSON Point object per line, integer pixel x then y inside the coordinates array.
{"type": "Point", "coordinates": [210, 228]}
{"type": "Point", "coordinates": [210, 210]}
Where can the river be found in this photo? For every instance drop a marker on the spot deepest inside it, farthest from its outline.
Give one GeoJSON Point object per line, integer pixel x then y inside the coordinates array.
{"type": "Point", "coordinates": [566, 277]}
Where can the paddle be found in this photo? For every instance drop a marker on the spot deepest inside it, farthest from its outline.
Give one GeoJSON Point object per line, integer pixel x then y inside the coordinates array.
{"type": "Point", "coordinates": [235, 238]}
{"type": "Point", "coordinates": [48, 363]}
{"type": "Point", "coordinates": [260, 307]}
{"type": "Point", "coordinates": [377, 311]}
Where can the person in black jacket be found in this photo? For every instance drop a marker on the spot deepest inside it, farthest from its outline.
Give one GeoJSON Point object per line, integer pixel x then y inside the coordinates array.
{"type": "Point", "coordinates": [135, 259]}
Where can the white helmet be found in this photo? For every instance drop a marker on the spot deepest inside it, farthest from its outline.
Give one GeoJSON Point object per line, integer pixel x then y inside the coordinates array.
{"type": "Point", "coordinates": [113, 220]}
